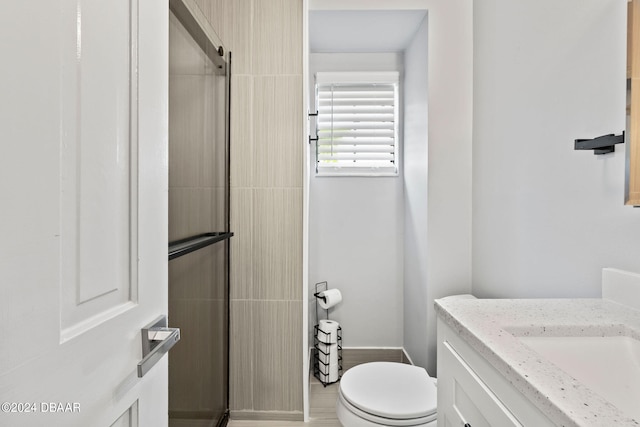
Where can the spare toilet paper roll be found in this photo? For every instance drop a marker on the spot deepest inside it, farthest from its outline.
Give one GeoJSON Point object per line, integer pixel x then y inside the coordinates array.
{"type": "Point", "coordinates": [329, 373]}
{"type": "Point", "coordinates": [328, 331]}
{"type": "Point", "coordinates": [329, 298]}
{"type": "Point", "coordinates": [328, 353]}
{"type": "Point", "coordinates": [333, 373]}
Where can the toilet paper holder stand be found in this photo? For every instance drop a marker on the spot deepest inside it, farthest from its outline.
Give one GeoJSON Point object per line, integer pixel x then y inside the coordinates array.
{"type": "Point", "coordinates": [324, 344]}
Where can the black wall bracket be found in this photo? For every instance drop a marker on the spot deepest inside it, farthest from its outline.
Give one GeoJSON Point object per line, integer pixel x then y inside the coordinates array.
{"type": "Point", "coordinates": [315, 114]}
{"type": "Point", "coordinates": [601, 145]}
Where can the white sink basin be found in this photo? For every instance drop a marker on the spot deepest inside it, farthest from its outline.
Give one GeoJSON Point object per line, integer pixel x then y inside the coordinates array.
{"type": "Point", "coordinates": [609, 366]}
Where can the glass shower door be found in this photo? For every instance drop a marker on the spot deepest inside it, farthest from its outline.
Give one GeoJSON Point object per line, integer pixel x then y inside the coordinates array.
{"type": "Point", "coordinates": [198, 224]}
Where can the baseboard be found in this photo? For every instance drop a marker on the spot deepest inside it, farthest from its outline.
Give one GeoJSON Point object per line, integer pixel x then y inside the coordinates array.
{"type": "Point", "coordinates": [406, 358]}
{"type": "Point", "coordinates": [355, 356]}
{"type": "Point", "coordinates": [267, 415]}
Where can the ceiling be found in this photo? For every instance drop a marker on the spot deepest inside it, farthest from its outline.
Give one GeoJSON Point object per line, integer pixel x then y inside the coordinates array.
{"type": "Point", "coordinates": [362, 30]}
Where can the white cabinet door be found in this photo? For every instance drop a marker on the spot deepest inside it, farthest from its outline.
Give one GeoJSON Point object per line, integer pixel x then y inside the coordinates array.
{"type": "Point", "coordinates": [472, 392]}
{"type": "Point", "coordinates": [83, 209]}
{"type": "Point", "coordinates": [466, 400]}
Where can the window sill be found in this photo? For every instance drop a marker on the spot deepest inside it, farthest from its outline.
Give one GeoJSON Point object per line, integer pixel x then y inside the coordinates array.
{"type": "Point", "coordinates": [356, 175]}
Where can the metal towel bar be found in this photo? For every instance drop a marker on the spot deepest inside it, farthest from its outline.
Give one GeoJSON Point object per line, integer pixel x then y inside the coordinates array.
{"type": "Point", "coordinates": [190, 244]}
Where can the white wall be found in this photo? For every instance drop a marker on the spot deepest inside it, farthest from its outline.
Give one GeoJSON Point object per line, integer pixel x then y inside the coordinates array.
{"type": "Point", "coordinates": [546, 218]}
{"type": "Point", "coordinates": [355, 234]}
{"type": "Point", "coordinates": [355, 241]}
{"type": "Point", "coordinates": [437, 263]}
{"type": "Point", "coordinates": [450, 77]}
{"type": "Point", "coordinates": [415, 197]}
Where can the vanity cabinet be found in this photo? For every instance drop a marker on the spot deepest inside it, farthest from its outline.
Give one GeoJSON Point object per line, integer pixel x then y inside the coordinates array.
{"type": "Point", "coordinates": [632, 182]}
{"type": "Point", "coordinates": [473, 393]}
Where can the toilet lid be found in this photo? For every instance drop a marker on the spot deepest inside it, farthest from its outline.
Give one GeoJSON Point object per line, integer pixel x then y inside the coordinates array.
{"type": "Point", "coordinates": [390, 390]}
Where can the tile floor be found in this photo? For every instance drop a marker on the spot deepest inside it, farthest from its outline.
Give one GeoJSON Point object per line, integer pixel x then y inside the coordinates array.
{"type": "Point", "coordinates": [322, 410]}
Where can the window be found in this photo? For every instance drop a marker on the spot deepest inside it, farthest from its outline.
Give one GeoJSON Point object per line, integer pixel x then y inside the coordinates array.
{"type": "Point", "coordinates": [357, 123]}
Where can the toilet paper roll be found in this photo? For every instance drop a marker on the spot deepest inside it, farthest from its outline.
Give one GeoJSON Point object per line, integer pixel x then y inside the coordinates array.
{"type": "Point", "coordinates": [328, 331]}
{"type": "Point", "coordinates": [329, 373]}
{"type": "Point", "coordinates": [328, 353]}
{"type": "Point", "coordinates": [333, 373]}
{"type": "Point", "coordinates": [329, 298]}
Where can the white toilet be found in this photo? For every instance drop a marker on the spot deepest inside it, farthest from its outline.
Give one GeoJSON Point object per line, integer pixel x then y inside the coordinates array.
{"type": "Point", "coordinates": [387, 394]}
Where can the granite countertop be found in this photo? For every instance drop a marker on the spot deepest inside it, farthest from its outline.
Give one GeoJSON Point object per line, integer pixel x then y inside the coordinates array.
{"type": "Point", "coordinates": [490, 326]}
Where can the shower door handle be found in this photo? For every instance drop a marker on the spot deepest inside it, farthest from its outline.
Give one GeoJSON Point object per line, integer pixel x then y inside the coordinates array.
{"type": "Point", "coordinates": [157, 340]}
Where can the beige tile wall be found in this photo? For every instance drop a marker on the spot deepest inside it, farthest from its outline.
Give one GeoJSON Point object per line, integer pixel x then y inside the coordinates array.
{"type": "Point", "coordinates": [265, 38]}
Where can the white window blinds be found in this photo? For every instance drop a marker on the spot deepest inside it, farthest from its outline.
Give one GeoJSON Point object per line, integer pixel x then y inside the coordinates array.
{"type": "Point", "coordinates": [357, 123]}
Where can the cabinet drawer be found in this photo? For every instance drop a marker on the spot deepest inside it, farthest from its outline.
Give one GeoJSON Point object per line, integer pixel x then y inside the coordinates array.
{"type": "Point", "coordinates": [468, 401]}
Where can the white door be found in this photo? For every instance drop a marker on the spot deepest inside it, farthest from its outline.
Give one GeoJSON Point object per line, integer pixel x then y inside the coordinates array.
{"type": "Point", "coordinates": [83, 210]}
